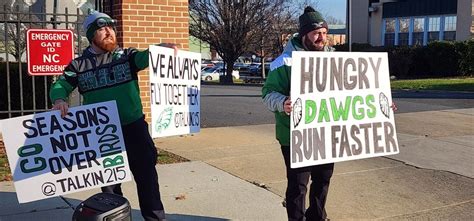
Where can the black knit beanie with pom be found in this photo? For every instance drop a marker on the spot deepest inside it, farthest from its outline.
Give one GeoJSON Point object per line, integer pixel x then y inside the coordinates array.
{"type": "Point", "coordinates": [310, 20]}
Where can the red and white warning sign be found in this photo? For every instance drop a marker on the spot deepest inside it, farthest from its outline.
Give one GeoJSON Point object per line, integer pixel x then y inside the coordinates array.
{"type": "Point", "coordinates": [49, 51]}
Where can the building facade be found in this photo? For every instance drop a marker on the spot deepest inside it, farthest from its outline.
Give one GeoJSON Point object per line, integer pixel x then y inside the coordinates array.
{"type": "Point", "coordinates": [411, 22]}
{"type": "Point", "coordinates": [140, 23]}
{"type": "Point", "coordinates": [337, 34]}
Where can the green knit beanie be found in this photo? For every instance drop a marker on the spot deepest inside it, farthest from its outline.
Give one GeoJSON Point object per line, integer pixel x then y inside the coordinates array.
{"type": "Point", "coordinates": [310, 20]}
{"type": "Point", "coordinates": [94, 21]}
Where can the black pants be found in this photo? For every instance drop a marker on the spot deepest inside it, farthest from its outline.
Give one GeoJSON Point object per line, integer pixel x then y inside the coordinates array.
{"type": "Point", "coordinates": [296, 189]}
{"type": "Point", "coordinates": [142, 156]}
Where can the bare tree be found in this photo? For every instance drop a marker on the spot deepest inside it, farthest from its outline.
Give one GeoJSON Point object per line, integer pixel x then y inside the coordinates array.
{"type": "Point", "coordinates": [282, 23]}
{"type": "Point", "coordinates": [234, 27]}
{"type": "Point", "coordinates": [230, 26]}
{"type": "Point", "coordinates": [15, 45]}
{"type": "Point", "coordinates": [271, 36]}
{"type": "Point", "coordinates": [13, 30]}
{"type": "Point", "coordinates": [331, 20]}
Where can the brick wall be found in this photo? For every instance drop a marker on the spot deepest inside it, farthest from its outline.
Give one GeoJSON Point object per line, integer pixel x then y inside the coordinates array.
{"type": "Point", "coordinates": [2, 145]}
{"type": "Point", "coordinates": [146, 22]}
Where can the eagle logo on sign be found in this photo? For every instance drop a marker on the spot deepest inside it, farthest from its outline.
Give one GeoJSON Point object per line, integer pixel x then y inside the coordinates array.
{"type": "Point", "coordinates": [384, 105]}
{"type": "Point", "coordinates": [164, 120]}
{"type": "Point", "coordinates": [297, 112]}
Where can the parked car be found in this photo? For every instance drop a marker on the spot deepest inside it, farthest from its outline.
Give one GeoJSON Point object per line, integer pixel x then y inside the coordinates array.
{"type": "Point", "coordinates": [256, 69]}
{"type": "Point", "coordinates": [206, 68]}
{"type": "Point", "coordinates": [254, 74]}
{"type": "Point", "coordinates": [218, 63]}
{"type": "Point", "coordinates": [213, 74]}
{"type": "Point", "coordinates": [238, 66]}
{"type": "Point", "coordinates": [206, 63]}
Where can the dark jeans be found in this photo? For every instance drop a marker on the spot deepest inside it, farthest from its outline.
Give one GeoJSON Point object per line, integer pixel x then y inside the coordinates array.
{"type": "Point", "coordinates": [142, 155]}
{"type": "Point", "coordinates": [296, 189]}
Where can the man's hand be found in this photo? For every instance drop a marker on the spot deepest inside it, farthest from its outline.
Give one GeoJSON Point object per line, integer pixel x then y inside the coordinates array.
{"type": "Point", "coordinates": [394, 107]}
{"type": "Point", "coordinates": [171, 45]}
{"type": "Point", "coordinates": [287, 105]}
{"type": "Point", "coordinates": [61, 105]}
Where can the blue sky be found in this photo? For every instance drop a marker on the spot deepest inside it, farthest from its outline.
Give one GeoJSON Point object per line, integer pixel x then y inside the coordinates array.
{"type": "Point", "coordinates": [335, 8]}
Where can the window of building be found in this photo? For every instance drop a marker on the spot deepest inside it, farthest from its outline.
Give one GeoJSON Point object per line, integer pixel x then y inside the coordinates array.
{"type": "Point", "coordinates": [404, 24]}
{"type": "Point", "coordinates": [433, 28]}
{"type": "Point", "coordinates": [450, 23]}
{"type": "Point", "coordinates": [389, 32]}
{"type": "Point", "coordinates": [450, 28]}
{"type": "Point", "coordinates": [433, 24]}
{"type": "Point", "coordinates": [418, 31]}
{"type": "Point", "coordinates": [419, 25]}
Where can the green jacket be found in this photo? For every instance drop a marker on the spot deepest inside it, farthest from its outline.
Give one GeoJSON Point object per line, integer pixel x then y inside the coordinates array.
{"type": "Point", "coordinates": [277, 88]}
{"type": "Point", "coordinates": [105, 77]}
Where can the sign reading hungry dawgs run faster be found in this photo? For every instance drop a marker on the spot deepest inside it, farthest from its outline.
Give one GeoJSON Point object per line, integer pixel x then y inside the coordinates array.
{"type": "Point", "coordinates": [53, 156]}
{"type": "Point", "coordinates": [341, 108]}
{"type": "Point", "coordinates": [175, 85]}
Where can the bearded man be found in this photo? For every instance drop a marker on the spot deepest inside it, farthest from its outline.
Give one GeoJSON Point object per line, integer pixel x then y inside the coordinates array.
{"type": "Point", "coordinates": [106, 72]}
{"type": "Point", "coordinates": [311, 36]}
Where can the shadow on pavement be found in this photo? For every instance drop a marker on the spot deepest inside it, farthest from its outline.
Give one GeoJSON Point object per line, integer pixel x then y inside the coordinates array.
{"type": "Point", "coordinates": [48, 209]}
{"type": "Point", "coordinates": [182, 217]}
{"type": "Point", "coordinates": [62, 208]}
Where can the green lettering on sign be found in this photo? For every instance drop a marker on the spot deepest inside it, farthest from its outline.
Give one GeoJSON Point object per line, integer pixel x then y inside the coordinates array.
{"type": "Point", "coordinates": [310, 111]}
{"type": "Point", "coordinates": [342, 110]}
{"type": "Point", "coordinates": [30, 150]}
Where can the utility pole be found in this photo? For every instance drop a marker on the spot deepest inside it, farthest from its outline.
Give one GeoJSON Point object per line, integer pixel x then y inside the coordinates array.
{"type": "Point", "coordinates": [349, 23]}
{"type": "Point", "coordinates": [263, 60]}
{"type": "Point", "coordinates": [262, 52]}
{"type": "Point", "coordinates": [55, 11]}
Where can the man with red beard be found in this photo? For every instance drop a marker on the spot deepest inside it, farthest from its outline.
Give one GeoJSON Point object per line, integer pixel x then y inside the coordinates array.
{"type": "Point", "coordinates": [312, 36]}
{"type": "Point", "coordinates": [107, 72]}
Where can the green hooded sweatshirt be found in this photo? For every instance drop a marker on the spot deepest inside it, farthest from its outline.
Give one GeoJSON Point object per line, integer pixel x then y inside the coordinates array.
{"type": "Point", "coordinates": [277, 88]}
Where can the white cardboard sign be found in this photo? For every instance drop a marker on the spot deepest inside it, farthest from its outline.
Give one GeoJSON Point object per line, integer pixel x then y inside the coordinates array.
{"type": "Point", "coordinates": [175, 88]}
{"type": "Point", "coordinates": [341, 107]}
{"type": "Point", "coordinates": [52, 156]}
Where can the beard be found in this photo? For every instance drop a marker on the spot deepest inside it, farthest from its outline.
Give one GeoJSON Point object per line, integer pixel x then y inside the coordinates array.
{"type": "Point", "coordinates": [313, 46]}
{"type": "Point", "coordinates": [107, 44]}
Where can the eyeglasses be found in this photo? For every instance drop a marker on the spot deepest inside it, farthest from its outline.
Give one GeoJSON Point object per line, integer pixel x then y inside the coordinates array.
{"type": "Point", "coordinates": [105, 22]}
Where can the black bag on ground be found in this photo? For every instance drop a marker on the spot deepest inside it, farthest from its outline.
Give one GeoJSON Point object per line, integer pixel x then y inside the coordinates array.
{"type": "Point", "coordinates": [103, 207]}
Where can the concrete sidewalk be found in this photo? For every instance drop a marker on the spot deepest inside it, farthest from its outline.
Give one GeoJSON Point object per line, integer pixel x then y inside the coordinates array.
{"type": "Point", "coordinates": [432, 178]}
{"type": "Point", "coordinates": [237, 173]}
{"type": "Point", "coordinates": [190, 191]}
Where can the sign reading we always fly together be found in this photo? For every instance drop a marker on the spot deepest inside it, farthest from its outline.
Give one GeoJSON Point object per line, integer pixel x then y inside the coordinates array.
{"type": "Point", "coordinates": [52, 156]}
{"type": "Point", "coordinates": [175, 88]}
{"type": "Point", "coordinates": [49, 51]}
{"type": "Point", "coordinates": [341, 107]}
